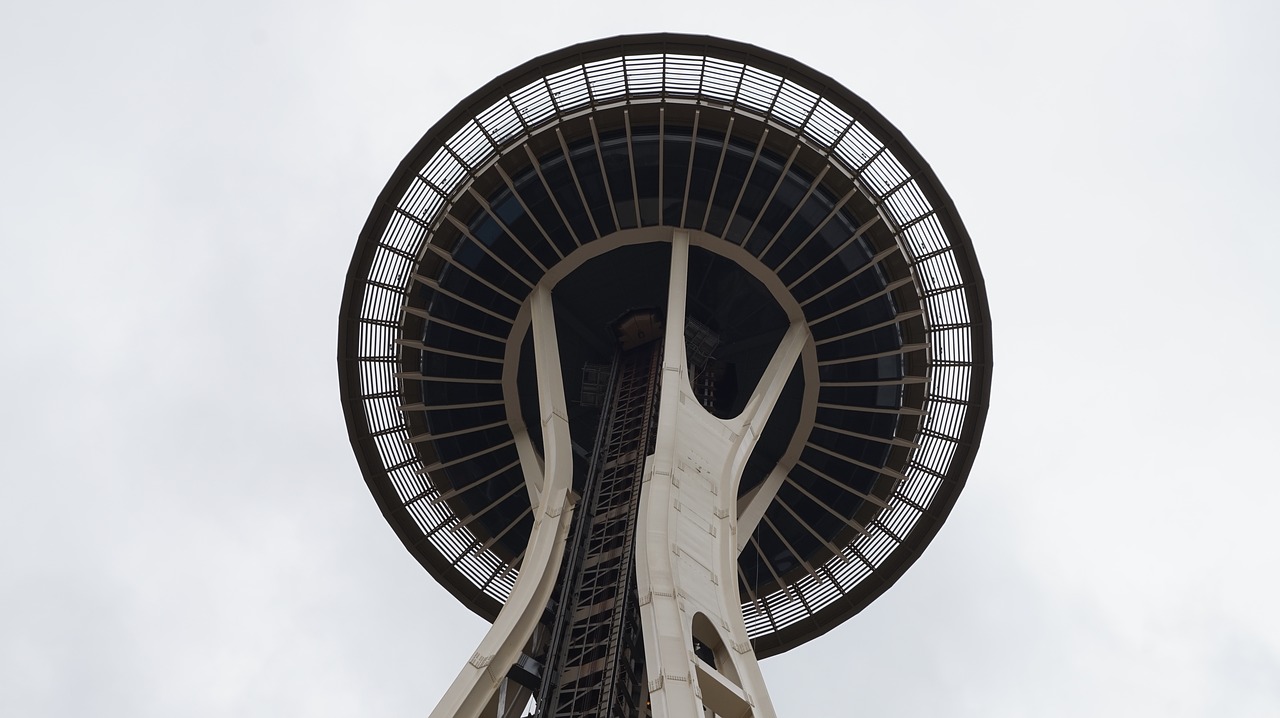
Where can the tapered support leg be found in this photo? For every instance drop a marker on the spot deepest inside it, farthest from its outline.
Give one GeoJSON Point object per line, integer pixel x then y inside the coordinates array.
{"type": "Point", "coordinates": [475, 689]}
{"type": "Point", "coordinates": [686, 554]}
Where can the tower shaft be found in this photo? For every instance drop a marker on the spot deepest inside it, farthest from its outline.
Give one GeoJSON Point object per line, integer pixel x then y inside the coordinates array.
{"type": "Point", "coordinates": [645, 617]}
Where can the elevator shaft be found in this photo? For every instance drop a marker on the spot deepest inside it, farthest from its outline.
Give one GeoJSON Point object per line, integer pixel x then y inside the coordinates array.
{"type": "Point", "coordinates": [596, 656]}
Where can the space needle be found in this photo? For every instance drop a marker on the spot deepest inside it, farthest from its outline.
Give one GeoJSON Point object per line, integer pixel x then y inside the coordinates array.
{"type": "Point", "coordinates": [664, 354]}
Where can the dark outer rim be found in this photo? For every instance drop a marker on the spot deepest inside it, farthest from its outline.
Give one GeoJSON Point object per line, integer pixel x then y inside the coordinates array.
{"type": "Point", "coordinates": [366, 452]}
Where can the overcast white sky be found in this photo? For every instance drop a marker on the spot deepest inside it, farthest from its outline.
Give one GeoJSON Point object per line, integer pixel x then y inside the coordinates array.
{"type": "Point", "coordinates": [184, 530]}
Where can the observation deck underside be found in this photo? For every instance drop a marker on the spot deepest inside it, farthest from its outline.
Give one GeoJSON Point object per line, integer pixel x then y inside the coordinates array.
{"type": "Point", "coordinates": [802, 204]}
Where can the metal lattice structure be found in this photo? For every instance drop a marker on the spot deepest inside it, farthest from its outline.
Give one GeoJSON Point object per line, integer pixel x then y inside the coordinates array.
{"type": "Point", "coordinates": [595, 640]}
{"type": "Point", "coordinates": [804, 208]}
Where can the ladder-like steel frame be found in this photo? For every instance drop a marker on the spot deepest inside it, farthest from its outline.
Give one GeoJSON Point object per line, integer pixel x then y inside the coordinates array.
{"type": "Point", "coordinates": [597, 666]}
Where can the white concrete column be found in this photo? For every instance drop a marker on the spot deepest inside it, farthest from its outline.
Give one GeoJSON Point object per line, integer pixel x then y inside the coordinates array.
{"type": "Point", "coordinates": [686, 552]}
{"type": "Point", "coordinates": [475, 688]}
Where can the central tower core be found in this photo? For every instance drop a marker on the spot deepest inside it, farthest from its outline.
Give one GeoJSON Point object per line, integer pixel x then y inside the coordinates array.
{"type": "Point", "coordinates": [679, 401]}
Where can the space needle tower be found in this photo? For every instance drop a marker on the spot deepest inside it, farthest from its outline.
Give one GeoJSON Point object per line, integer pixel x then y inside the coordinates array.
{"type": "Point", "coordinates": [663, 354]}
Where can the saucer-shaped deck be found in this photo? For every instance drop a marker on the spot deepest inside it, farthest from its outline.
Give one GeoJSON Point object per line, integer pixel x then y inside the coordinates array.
{"type": "Point", "coordinates": [572, 171]}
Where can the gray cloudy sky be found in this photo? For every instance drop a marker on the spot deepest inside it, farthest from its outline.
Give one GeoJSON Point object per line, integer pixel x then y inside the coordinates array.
{"type": "Point", "coordinates": [184, 531]}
